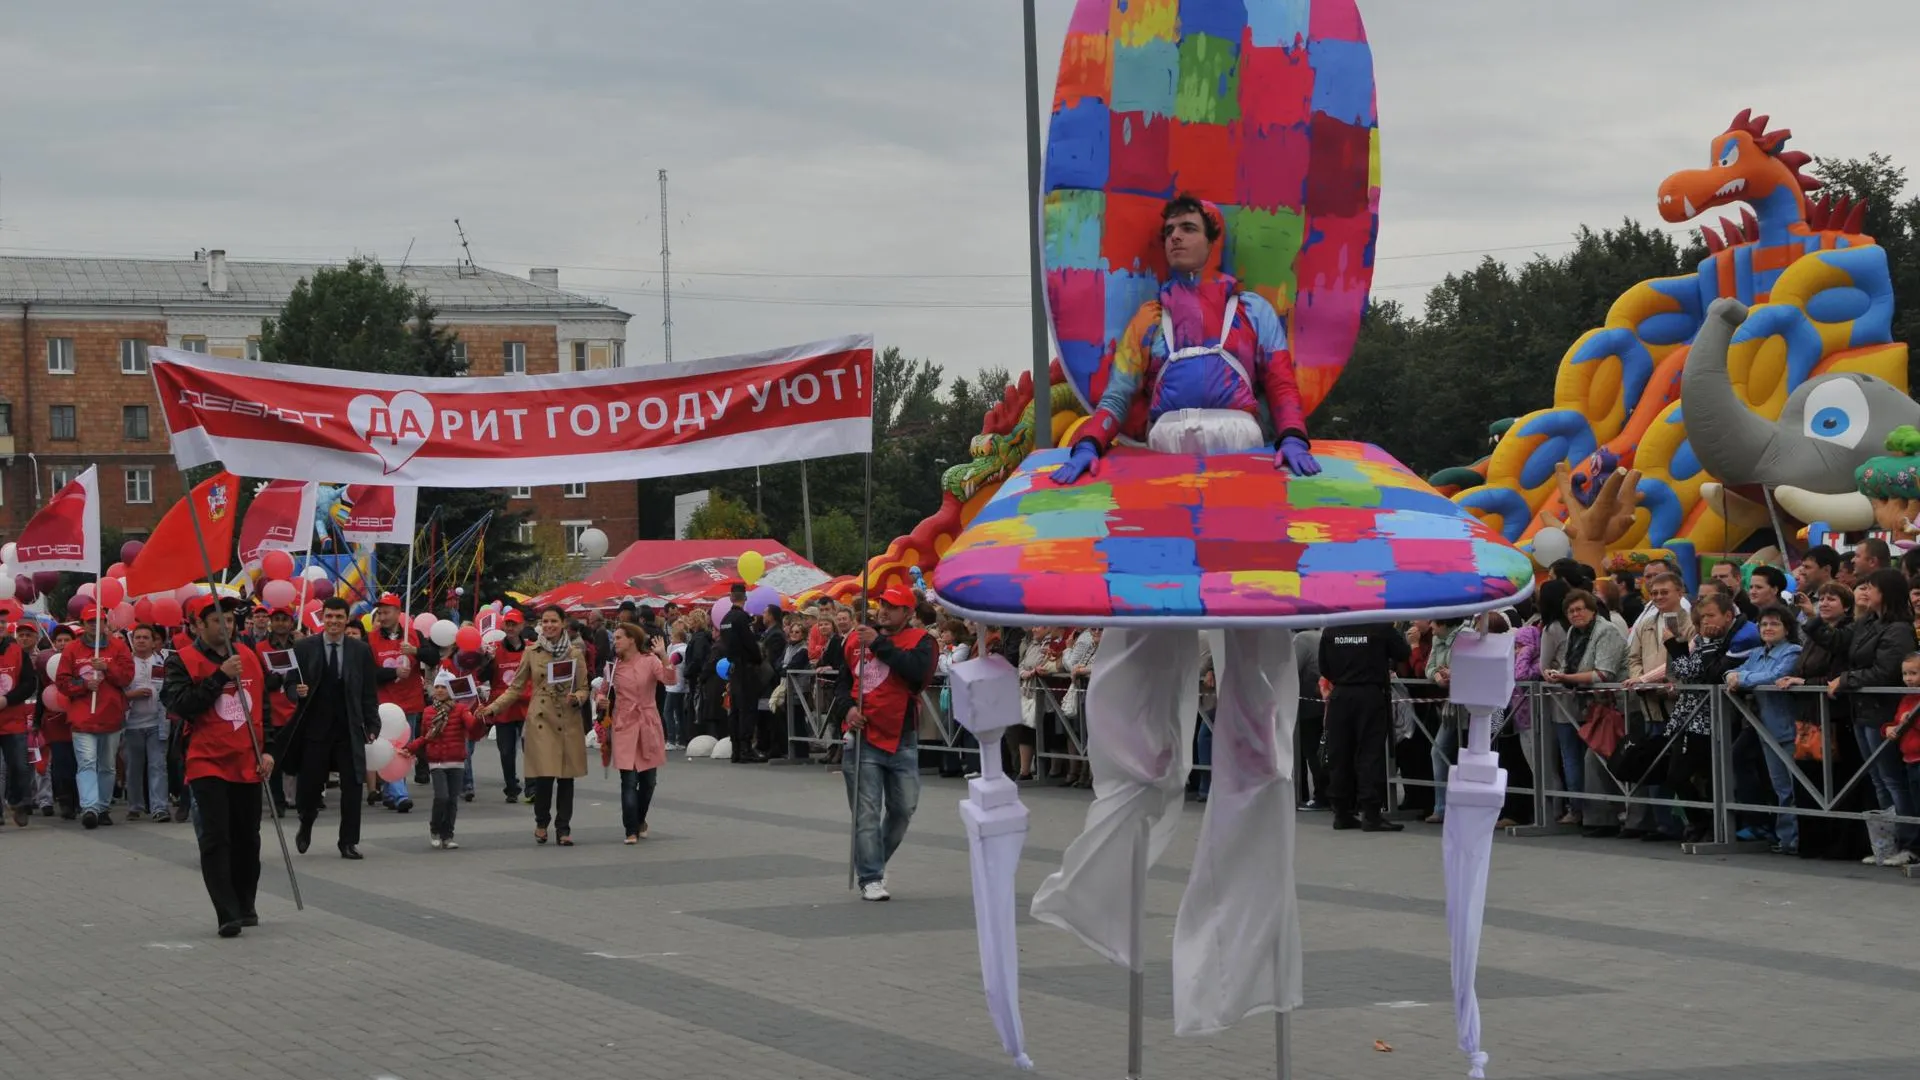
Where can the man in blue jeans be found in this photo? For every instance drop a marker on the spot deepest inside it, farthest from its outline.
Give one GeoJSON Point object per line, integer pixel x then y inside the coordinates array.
{"type": "Point", "coordinates": [892, 664]}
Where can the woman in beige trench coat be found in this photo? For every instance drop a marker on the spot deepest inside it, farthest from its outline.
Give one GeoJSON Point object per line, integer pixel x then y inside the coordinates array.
{"type": "Point", "coordinates": [555, 740]}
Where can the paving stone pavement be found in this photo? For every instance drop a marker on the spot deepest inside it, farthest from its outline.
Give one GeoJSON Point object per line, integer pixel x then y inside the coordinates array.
{"type": "Point", "coordinates": [727, 945]}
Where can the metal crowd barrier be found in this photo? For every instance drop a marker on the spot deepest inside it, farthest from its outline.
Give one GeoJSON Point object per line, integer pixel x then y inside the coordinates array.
{"type": "Point", "coordinates": [1060, 735]}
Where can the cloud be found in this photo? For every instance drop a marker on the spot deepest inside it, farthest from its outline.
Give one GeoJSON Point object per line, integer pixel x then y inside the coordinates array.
{"type": "Point", "coordinates": [835, 165]}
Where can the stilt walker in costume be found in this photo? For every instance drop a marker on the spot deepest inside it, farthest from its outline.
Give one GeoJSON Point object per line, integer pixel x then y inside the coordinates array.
{"type": "Point", "coordinates": [1208, 252]}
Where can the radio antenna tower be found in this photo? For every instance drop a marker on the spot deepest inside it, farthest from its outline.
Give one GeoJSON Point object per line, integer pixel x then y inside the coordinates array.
{"type": "Point", "coordinates": [666, 271]}
{"type": "Point", "coordinates": [466, 268]}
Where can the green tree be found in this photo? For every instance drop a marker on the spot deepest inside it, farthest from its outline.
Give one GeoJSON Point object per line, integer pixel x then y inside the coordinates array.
{"type": "Point", "coordinates": [358, 318]}
{"type": "Point", "coordinates": [725, 519]}
{"type": "Point", "coordinates": [837, 543]}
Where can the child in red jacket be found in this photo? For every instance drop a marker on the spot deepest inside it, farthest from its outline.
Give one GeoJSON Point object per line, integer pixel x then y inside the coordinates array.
{"type": "Point", "coordinates": [446, 727]}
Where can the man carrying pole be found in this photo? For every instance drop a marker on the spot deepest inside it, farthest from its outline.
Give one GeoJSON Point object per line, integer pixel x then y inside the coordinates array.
{"type": "Point", "coordinates": [894, 663]}
{"type": "Point", "coordinates": [220, 692]}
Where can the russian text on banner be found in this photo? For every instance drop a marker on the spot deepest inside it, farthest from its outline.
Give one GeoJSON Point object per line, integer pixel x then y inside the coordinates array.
{"type": "Point", "coordinates": [65, 534]}
{"type": "Point", "coordinates": [280, 516]}
{"type": "Point", "coordinates": [378, 514]}
{"type": "Point", "coordinates": [323, 424]}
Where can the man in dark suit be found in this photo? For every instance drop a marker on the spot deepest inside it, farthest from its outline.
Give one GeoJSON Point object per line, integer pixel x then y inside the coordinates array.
{"type": "Point", "coordinates": [338, 707]}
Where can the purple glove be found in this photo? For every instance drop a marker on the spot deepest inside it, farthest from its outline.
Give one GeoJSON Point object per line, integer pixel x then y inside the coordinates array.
{"type": "Point", "coordinates": [1294, 457]}
{"type": "Point", "coordinates": [1085, 461]}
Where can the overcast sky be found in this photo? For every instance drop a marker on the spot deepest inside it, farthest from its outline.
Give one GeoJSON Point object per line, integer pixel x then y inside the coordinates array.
{"type": "Point", "coordinates": [835, 166]}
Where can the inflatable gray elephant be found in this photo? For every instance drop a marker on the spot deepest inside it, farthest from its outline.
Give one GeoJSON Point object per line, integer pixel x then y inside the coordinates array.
{"type": "Point", "coordinates": [1830, 426]}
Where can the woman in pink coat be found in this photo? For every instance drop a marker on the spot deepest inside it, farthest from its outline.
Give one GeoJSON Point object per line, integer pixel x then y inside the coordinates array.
{"type": "Point", "coordinates": [639, 742]}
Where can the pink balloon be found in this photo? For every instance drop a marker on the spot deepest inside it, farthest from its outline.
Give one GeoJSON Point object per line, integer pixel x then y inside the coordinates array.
{"type": "Point", "coordinates": [118, 570]}
{"type": "Point", "coordinates": [276, 565]}
{"type": "Point", "coordinates": [186, 592]}
{"type": "Point", "coordinates": [75, 605]}
{"type": "Point", "coordinates": [279, 593]}
{"type": "Point", "coordinates": [54, 699]}
{"type": "Point", "coordinates": [85, 589]}
{"type": "Point", "coordinates": [424, 621]}
{"type": "Point", "coordinates": [397, 769]}
{"type": "Point", "coordinates": [121, 617]}
{"type": "Point", "coordinates": [130, 550]}
{"type": "Point", "coordinates": [720, 609]}
{"type": "Point", "coordinates": [110, 592]}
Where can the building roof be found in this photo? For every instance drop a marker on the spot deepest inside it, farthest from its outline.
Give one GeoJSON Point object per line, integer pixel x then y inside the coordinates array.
{"type": "Point", "coordinates": [184, 281]}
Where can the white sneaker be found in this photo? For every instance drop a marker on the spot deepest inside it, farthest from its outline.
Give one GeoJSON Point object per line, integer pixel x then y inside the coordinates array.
{"type": "Point", "coordinates": [1871, 860]}
{"type": "Point", "coordinates": [874, 890]}
{"type": "Point", "coordinates": [436, 842]}
{"type": "Point", "coordinates": [1898, 858]}
{"type": "Point", "coordinates": [449, 843]}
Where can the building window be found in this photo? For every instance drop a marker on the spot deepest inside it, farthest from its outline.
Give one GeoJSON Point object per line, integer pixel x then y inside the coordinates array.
{"type": "Point", "coordinates": [579, 356]}
{"type": "Point", "coordinates": [133, 422]}
{"type": "Point", "coordinates": [575, 491]}
{"type": "Point", "coordinates": [59, 356]}
{"type": "Point", "coordinates": [62, 424]}
{"type": "Point", "coordinates": [523, 532]}
{"type": "Point", "coordinates": [513, 357]}
{"type": "Point", "coordinates": [523, 493]}
{"type": "Point", "coordinates": [459, 354]}
{"type": "Point", "coordinates": [193, 344]}
{"type": "Point", "coordinates": [619, 354]}
{"type": "Point", "coordinates": [139, 485]}
{"type": "Point", "coordinates": [133, 356]}
{"type": "Point", "coordinates": [573, 530]}
{"type": "Point", "coordinates": [253, 348]}
{"type": "Point", "coordinates": [6, 418]}
{"type": "Point", "coordinates": [60, 476]}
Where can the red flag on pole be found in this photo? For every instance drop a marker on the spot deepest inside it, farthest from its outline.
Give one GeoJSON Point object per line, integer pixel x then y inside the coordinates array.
{"type": "Point", "coordinates": [171, 557]}
{"type": "Point", "coordinates": [65, 534]}
{"type": "Point", "coordinates": [378, 514]}
{"type": "Point", "coordinates": [280, 517]}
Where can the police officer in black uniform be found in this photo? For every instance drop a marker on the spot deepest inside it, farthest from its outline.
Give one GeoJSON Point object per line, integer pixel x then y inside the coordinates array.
{"type": "Point", "coordinates": [1358, 662]}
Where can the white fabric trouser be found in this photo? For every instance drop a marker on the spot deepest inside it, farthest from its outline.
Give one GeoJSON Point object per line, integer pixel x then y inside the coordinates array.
{"type": "Point", "coordinates": [1236, 940]}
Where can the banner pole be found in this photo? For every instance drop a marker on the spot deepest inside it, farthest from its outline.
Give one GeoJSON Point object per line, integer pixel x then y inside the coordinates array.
{"type": "Point", "coordinates": [266, 777]}
{"type": "Point", "coordinates": [859, 684]}
{"type": "Point", "coordinates": [94, 701]}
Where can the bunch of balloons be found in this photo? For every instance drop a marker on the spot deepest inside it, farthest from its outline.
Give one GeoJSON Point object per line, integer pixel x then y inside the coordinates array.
{"type": "Point", "coordinates": [752, 566]}
{"type": "Point", "coordinates": [383, 753]}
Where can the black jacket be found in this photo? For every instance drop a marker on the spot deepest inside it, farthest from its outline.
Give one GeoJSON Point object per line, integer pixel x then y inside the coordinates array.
{"type": "Point", "coordinates": [1873, 648]}
{"type": "Point", "coordinates": [361, 698]}
{"type": "Point", "coordinates": [1362, 655]}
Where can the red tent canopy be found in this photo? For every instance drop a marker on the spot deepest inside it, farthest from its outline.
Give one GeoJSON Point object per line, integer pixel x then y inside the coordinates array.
{"type": "Point", "coordinates": [689, 570]}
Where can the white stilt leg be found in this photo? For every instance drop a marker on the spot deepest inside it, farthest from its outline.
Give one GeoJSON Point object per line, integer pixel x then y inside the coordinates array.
{"type": "Point", "coordinates": [1136, 947]}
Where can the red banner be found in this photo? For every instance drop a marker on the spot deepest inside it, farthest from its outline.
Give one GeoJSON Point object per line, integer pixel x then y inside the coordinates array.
{"type": "Point", "coordinates": [377, 514]}
{"type": "Point", "coordinates": [280, 516]}
{"type": "Point", "coordinates": [616, 424]}
{"type": "Point", "coordinates": [65, 534]}
{"type": "Point", "coordinates": [179, 551]}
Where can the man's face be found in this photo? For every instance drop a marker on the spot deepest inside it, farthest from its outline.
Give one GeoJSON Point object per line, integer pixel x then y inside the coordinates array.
{"type": "Point", "coordinates": [335, 620]}
{"type": "Point", "coordinates": [1185, 237]}
{"type": "Point", "coordinates": [1712, 621]}
{"type": "Point", "coordinates": [386, 617]}
{"type": "Point", "coordinates": [216, 627]}
{"type": "Point", "coordinates": [1811, 575]}
{"type": "Point", "coordinates": [893, 618]}
{"type": "Point", "coordinates": [1728, 576]}
{"type": "Point", "coordinates": [843, 621]}
{"type": "Point", "coordinates": [27, 636]}
{"type": "Point", "coordinates": [143, 642]}
{"type": "Point", "coordinates": [1665, 597]}
{"type": "Point", "coordinates": [259, 624]}
{"type": "Point", "coordinates": [1762, 592]}
{"type": "Point", "coordinates": [280, 625]}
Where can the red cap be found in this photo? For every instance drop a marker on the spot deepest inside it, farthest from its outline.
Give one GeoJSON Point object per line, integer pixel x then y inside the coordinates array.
{"type": "Point", "coordinates": [388, 600]}
{"type": "Point", "coordinates": [90, 613]}
{"type": "Point", "coordinates": [197, 607]}
{"type": "Point", "coordinates": [514, 617]}
{"type": "Point", "coordinates": [280, 610]}
{"type": "Point", "coordinates": [899, 596]}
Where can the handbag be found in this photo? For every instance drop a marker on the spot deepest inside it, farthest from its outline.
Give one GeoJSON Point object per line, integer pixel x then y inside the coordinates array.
{"type": "Point", "coordinates": [1602, 726]}
{"type": "Point", "coordinates": [1634, 758]}
{"type": "Point", "coordinates": [1808, 743]}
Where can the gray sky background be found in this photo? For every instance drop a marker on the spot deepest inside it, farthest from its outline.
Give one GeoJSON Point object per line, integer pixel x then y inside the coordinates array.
{"type": "Point", "coordinates": [836, 166]}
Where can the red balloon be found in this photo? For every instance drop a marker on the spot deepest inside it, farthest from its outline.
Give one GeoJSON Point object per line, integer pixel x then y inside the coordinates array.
{"type": "Point", "coordinates": [55, 699]}
{"type": "Point", "coordinates": [110, 592]}
{"type": "Point", "coordinates": [130, 550]}
{"type": "Point", "coordinates": [279, 593]}
{"type": "Point", "coordinates": [24, 589]}
{"type": "Point", "coordinates": [276, 565]}
{"type": "Point", "coordinates": [467, 639]}
{"type": "Point", "coordinates": [121, 618]}
{"type": "Point", "coordinates": [166, 611]}
{"type": "Point", "coordinates": [118, 570]}
{"type": "Point", "coordinates": [143, 610]}
{"type": "Point", "coordinates": [320, 589]}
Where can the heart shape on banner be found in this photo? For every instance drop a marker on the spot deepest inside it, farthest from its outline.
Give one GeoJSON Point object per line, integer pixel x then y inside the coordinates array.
{"type": "Point", "coordinates": [396, 429]}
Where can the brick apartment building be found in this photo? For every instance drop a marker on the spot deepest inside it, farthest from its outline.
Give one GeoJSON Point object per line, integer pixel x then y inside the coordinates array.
{"type": "Point", "coordinates": [75, 389]}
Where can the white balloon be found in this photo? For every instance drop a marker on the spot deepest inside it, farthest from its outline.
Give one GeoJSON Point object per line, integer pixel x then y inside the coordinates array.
{"type": "Point", "coordinates": [6, 585]}
{"type": "Point", "coordinates": [491, 637]}
{"type": "Point", "coordinates": [53, 666]}
{"type": "Point", "coordinates": [393, 723]}
{"type": "Point", "coordinates": [10, 554]}
{"type": "Point", "coordinates": [315, 573]}
{"type": "Point", "coordinates": [1550, 545]}
{"type": "Point", "coordinates": [700, 747]}
{"type": "Point", "coordinates": [723, 749]}
{"type": "Point", "coordinates": [379, 753]}
{"type": "Point", "coordinates": [444, 632]}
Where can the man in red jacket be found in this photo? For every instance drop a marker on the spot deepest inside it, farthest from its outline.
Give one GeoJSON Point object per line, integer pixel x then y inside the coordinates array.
{"type": "Point", "coordinates": [19, 690]}
{"type": "Point", "coordinates": [95, 670]}
{"type": "Point", "coordinates": [892, 664]}
{"type": "Point", "coordinates": [220, 693]}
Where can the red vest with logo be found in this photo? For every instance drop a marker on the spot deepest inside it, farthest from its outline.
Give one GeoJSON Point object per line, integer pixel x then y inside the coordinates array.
{"type": "Point", "coordinates": [218, 746]}
{"type": "Point", "coordinates": [889, 699]}
{"type": "Point", "coordinates": [280, 704]}
{"type": "Point", "coordinates": [13, 718]}
{"type": "Point", "coordinates": [409, 691]}
{"type": "Point", "coordinates": [506, 664]}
